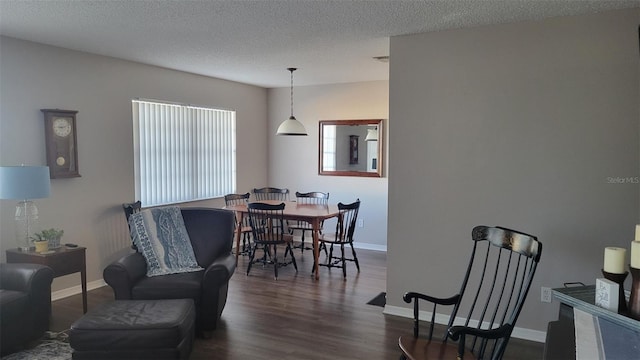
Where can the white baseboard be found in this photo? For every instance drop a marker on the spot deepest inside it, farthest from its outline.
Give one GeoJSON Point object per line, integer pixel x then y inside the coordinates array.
{"type": "Point", "coordinates": [518, 332]}
{"type": "Point", "coordinates": [365, 246]}
{"type": "Point", "coordinates": [75, 290]}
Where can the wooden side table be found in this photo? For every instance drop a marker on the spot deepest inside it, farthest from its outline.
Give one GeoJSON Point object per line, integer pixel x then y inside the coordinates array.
{"type": "Point", "coordinates": [63, 261]}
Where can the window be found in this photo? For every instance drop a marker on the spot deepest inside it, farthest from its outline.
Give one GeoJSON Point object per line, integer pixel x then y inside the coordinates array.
{"type": "Point", "coordinates": [329, 148]}
{"type": "Point", "coordinates": [182, 153]}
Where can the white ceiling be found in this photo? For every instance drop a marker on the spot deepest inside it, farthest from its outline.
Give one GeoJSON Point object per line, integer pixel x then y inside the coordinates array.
{"type": "Point", "coordinates": [254, 42]}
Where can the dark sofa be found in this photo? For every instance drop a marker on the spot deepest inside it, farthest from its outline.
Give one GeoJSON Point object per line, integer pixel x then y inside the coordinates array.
{"type": "Point", "coordinates": [211, 234]}
{"type": "Point", "coordinates": [25, 304]}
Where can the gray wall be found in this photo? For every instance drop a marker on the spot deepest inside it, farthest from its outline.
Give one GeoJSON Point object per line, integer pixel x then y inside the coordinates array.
{"type": "Point", "coordinates": [89, 208]}
{"type": "Point", "coordinates": [293, 160]}
{"type": "Point", "coordinates": [520, 125]}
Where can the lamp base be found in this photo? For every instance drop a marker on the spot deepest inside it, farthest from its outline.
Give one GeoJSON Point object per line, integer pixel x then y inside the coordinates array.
{"type": "Point", "coordinates": [27, 221]}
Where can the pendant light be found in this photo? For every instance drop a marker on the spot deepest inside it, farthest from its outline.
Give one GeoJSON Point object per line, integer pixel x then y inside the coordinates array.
{"type": "Point", "coordinates": [372, 134]}
{"type": "Point", "coordinates": [291, 126]}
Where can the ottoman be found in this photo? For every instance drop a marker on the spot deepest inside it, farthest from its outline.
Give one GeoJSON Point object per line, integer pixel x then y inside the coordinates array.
{"type": "Point", "coordinates": [135, 329]}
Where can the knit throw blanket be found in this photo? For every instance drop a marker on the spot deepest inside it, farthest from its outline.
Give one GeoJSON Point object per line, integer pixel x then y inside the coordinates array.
{"type": "Point", "coordinates": [161, 237]}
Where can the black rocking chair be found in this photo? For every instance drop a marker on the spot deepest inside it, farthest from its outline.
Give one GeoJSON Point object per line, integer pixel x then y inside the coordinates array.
{"type": "Point", "coordinates": [495, 286]}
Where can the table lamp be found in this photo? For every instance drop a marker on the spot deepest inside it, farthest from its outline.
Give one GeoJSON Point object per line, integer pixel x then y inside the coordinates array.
{"type": "Point", "coordinates": [25, 183]}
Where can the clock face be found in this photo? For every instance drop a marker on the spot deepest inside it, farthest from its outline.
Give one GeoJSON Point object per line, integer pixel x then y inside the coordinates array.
{"type": "Point", "coordinates": [62, 126]}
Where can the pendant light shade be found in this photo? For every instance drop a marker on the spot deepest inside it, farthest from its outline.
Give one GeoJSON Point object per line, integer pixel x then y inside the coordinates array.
{"type": "Point", "coordinates": [291, 126]}
{"type": "Point", "coordinates": [372, 135]}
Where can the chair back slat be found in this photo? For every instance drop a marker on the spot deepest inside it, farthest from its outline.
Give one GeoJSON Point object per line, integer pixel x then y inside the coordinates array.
{"type": "Point", "coordinates": [271, 193]}
{"type": "Point", "coordinates": [496, 283]}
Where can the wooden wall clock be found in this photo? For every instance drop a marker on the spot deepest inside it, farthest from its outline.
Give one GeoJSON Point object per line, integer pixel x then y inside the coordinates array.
{"type": "Point", "coordinates": [61, 142]}
{"type": "Point", "coordinates": [353, 149]}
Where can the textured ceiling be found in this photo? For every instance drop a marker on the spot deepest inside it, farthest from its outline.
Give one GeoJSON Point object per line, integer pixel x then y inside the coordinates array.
{"type": "Point", "coordinates": [254, 42]}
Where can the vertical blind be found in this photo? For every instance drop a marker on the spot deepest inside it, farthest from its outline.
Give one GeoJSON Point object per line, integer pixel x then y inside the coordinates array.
{"type": "Point", "coordinates": [182, 153]}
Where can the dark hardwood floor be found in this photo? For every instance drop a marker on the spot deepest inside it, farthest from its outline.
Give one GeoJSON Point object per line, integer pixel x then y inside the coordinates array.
{"type": "Point", "coordinates": [296, 317]}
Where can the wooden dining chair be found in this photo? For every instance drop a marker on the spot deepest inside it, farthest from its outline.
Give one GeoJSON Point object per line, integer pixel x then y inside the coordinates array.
{"type": "Point", "coordinates": [271, 193]}
{"type": "Point", "coordinates": [495, 286]}
{"type": "Point", "coordinates": [316, 198]}
{"type": "Point", "coordinates": [245, 229]}
{"type": "Point", "coordinates": [267, 225]}
{"type": "Point", "coordinates": [343, 235]}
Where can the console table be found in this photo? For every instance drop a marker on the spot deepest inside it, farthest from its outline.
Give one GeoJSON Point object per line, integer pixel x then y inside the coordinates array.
{"type": "Point", "coordinates": [618, 333]}
{"type": "Point", "coordinates": [63, 261]}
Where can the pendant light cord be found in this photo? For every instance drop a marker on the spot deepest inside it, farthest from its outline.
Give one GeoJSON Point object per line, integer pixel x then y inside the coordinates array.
{"type": "Point", "coordinates": [292, 70]}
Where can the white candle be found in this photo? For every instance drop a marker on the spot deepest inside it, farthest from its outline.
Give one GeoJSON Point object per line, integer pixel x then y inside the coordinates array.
{"type": "Point", "coordinates": [614, 260]}
{"type": "Point", "coordinates": [637, 233]}
{"type": "Point", "coordinates": [635, 254]}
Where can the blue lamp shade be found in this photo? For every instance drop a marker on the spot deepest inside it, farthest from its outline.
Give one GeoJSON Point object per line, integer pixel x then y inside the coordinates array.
{"type": "Point", "coordinates": [24, 182]}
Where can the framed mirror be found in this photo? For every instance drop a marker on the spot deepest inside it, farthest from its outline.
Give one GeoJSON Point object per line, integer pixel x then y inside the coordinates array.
{"type": "Point", "coordinates": [350, 148]}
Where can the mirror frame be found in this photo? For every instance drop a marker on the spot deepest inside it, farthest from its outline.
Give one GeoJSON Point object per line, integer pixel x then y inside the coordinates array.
{"type": "Point", "coordinates": [367, 122]}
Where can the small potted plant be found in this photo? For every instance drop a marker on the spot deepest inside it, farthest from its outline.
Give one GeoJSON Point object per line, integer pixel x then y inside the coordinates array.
{"type": "Point", "coordinates": [51, 236]}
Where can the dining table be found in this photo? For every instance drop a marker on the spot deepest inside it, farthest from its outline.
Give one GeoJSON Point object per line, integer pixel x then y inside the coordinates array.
{"type": "Point", "coordinates": [314, 214]}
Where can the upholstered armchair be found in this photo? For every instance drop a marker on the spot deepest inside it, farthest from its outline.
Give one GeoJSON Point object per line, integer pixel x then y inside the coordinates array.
{"type": "Point", "coordinates": [211, 235]}
{"type": "Point", "coordinates": [25, 304]}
